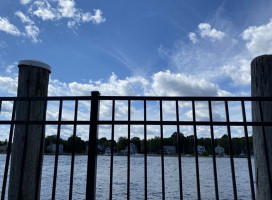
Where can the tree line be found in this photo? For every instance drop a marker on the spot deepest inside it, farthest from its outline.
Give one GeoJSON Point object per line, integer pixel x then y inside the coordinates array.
{"type": "Point", "coordinates": [153, 145]}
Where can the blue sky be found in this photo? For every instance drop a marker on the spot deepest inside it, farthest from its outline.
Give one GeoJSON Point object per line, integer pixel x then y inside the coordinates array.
{"type": "Point", "coordinates": [136, 47]}
{"type": "Point", "coordinates": [151, 47]}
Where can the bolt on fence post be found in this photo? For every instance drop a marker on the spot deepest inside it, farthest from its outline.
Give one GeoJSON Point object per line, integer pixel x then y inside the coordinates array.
{"type": "Point", "coordinates": [27, 147]}
{"type": "Point", "coordinates": [261, 86]}
{"type": "Point", "coordinates": [92, 151]}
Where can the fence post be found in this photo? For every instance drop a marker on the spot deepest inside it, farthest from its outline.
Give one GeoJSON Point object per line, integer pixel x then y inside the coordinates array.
{"type": "Point", "coordinates": [92, 151]}
{"type": "Point", "coordinates": [261, 86]}
{"type": "Point", "coordinates": [27, 148]}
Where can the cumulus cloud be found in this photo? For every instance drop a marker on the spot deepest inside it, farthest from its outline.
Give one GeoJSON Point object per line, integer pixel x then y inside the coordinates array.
{"type": "Point", "coordinates": [114, 86]}
{"type": "Point", "coordinates": [162, 83]}
{"type": "Point", "coordinates": [259, 39]}
{"type": "Point", "coordinates": [192, 37]}
{"type": "Point", "coordinates": [206, 31]}
{"type": "Point", "coordinates": [65, 9]}
{"type": "Point", "coordinates": [96, 18]}
{"type": "Point", "coordinates": [177, 84]}
{"type": "Point", "coordinates": [7, 27]}
{"type": "Point", "coordinates": [239, 73]}
{"type": "Point", "coordinates": [8, 85]}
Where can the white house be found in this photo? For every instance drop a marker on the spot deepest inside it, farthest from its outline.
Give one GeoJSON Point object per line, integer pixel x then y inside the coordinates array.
{"type": "Point", "coordinates": [52, 148]}
{"type": "Point", "coordinates": [201, 149]}
{"type": "Point", "coordinates": [219, 150]}
{"type": "Point", "coordinates": [133, 149]}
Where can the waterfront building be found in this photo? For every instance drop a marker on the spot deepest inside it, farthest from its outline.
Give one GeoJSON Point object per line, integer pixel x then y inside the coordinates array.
{"type": "Point", "coordinates": [219, 150]}
{"type": "Point", "coordinates": [201, 149]}
{"type": "Point", "coordinates": [133, 149]}
{"type": "Point", "coordinates": [52, 148]}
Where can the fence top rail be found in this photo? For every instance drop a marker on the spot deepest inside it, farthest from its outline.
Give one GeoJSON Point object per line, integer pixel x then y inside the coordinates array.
{"type": "Point", "coordinates": [140, 98]}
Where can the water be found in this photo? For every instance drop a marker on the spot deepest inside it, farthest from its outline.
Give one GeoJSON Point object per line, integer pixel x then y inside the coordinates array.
{"type": "Point", "coordinates": [137, 177]}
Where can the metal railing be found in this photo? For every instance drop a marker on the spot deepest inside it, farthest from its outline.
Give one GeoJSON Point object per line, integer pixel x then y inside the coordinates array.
{"type": "Point", "coordinates": [94, 122]}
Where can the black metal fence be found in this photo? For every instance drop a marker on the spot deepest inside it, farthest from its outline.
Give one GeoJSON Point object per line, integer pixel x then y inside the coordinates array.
{"type": "Point", "coordinates": [95, 121]}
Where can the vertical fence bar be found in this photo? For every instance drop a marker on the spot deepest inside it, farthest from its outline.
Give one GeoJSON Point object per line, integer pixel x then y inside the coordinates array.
{"type": "Point", "coordinates": [162, 152]}
{"type": "Point", "coordinates": [248, 152]}
{"type": "Point", "coordinates": [230, 152]}
{"type": "Point", "coordinates": [145, 150]}
{"type": "Point", "coordinates": [196, 152]}
{"type": "Point", "coordinates": [8, 152]}
{"type": "Point", "coordinates": [73, 152]}
{"type": "Point", "coordinates": [265, 148]}
{"type": "Point", "coordinates": [57, 152]}
{"type": "Point", "coordinates": [213, 153]}
{"type": "Point", "coordinates": [128, 161]}
{"type": "Point", "coordinates": [179, 153]}
{"type": "Point", "coordinates": [37, 190]}
{"type": "Point", "coordinates": [112, 139]}
{"type": "Point", "coordinates": [92, 151]}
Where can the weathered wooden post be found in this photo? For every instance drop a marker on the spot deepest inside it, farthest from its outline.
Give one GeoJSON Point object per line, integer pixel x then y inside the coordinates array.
{"type": "Point", "coordinates": [28, 145]}
{"type": "Point", "coordinates": [261, 86]}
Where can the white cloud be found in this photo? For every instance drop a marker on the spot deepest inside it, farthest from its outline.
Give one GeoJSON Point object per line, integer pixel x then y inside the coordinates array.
{"type": "Point", "coordinates": [32, 32]}
{"type": "Point", "coordinates": [7, 27]}
{"type": "Point", "coordinates": [177, 84]}
{"type": "Point", "coordinates": [240, 74]}
{"type": "Point", "coordinates": [96, 18]}
{"type": "Point", "coordinates": [25, 1]}
{"type": "Point", "coordinates": [259, 39]}
{"type": "Point", "coordinates": [67, 8]}
{"type": "Point", "coordinates": [8, 85]}
{"type": "Point", "coordinates": [114, 86]}
{"type": "Point", "coordinates": [23, 17]}
{"type": "Point", "coordinates": [43, 10]}
{"type": "Point", "coordinates": [192, 37]}
{"type": "Point", "coordinates": [10, 68]}
{"type": "Point", "coordinates": [206, 31]}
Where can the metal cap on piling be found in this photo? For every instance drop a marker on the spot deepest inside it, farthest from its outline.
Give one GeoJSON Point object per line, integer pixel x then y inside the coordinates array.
{"type": "Point", "coordinates": [34, 63]}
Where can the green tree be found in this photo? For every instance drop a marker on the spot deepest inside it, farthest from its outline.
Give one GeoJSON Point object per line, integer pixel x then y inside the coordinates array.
{"type": "Point", "coordinates": [104, 142]}
{"type": "Point", "coordinates": [137, 142]}
{"type": "Point", "coordinates": [122, 143]}
{"type": "Point", "coordinates": [80, 145]}
{"type": "Point", "coordinates": [51, 139]}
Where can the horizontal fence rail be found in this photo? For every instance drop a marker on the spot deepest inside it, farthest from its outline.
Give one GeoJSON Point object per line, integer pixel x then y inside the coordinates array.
{"type": "Point", "coordinates": [94, 103]}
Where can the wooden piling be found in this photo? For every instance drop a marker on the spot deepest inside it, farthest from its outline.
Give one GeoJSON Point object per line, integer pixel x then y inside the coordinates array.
{"type": "Point", "coordinates": [261, 86]}
{"type": "Point", "coordinates": [28, 145]}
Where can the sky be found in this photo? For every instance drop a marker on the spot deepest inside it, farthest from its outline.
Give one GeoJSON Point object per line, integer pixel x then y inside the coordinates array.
{"type": "Point", "coordinates": [136, 47]}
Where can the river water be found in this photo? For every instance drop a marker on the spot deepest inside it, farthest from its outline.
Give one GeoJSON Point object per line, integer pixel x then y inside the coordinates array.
{"type": "Point", "coordinates": [137, 177]}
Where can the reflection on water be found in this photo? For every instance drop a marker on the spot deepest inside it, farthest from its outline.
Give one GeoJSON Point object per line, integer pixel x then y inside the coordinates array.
{"type": "Point", "coordinates": [137, 177]}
